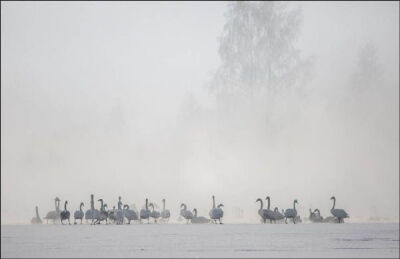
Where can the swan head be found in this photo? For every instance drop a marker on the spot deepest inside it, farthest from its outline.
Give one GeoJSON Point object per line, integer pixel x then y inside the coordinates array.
{"type": "Point", "coordinates": [295, 201]}
{"type": "Point", "coordinates": [183, 205]}
{"type": "Point", "coordinates": [100, 200]}
{"type": "Point", "coordinates": [163, 200]}
{"type": "Point", "coordinates": [82, 204]}
{"type": "Point", "coordinates": [105, 205]}
{"type": "Point", "coordinates": [267, 198]}
{"type": "Point", "coordinates": [126, 206]}
{"type": "Point", "coordinates": [57, 199]}
{"type": "Point", "coordinates": [221, 205]}
{"type": "Point", "coordinates": [259, 200]}
{"type": "Point", "coordinates": [333, 198]}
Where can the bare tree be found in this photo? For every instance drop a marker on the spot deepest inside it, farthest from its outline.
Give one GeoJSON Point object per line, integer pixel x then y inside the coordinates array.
{"type": "Point", "coordinates": [257, 50]}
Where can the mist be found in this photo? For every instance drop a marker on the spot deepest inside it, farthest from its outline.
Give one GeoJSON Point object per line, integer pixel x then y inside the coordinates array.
{"type": "Point", "coordinates": [138, 100]}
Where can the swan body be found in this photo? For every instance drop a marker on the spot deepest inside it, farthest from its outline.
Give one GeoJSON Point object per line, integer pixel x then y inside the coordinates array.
{"type": "Point", "coordinates": [187, 214]}
{"type": "Point", "coordinates": [79, 213]}
{"type": "Point", "coordinates": [340, 214]}
{"type": "Point", "coordinates": [145, 213]}
{"type": "Point", "coordinates": [199, 220]}
{"type": "Point", "coordinates": [130, 214]}
{"type": "Point", "coordinates": [165, 214]}
{"type": "Point", "coordinates": [291, 213]}
{"type": "Point", "coordinates": [216, 213]}
{"type": "Point", "coordinates": [36, 219]}
{"type": "Point", "coordinates": [64, 215]}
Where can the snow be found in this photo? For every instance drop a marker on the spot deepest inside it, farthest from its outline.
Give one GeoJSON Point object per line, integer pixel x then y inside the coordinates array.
{"type": "Point", "coordinates": [209, 240]}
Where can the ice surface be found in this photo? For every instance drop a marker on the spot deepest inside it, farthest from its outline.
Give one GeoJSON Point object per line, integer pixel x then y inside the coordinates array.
{"type": "Point", "coordinates": [181, 240]}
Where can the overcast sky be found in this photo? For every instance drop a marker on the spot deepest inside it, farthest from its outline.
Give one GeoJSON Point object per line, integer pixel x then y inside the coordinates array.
{"type": "Point", "coordinates": [91, 94]}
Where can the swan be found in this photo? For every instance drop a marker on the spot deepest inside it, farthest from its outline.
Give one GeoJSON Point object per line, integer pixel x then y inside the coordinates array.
{"type": "Point", "coordinates": [154, 214]}
{"type": "Point", "coordinates": [36, 220]}
{"type": "Point", "coordinates": [111, 215]}
{"type": "Point", "coordinates": [262, 211]}
{"type": "Point", "coordinates": [291, 213]}
{"type": "Point", "coordinates": [79, 213]}
{"type": "Point", "coordinates": [199, 220]}
{"type": "Point", "coordinates": [102, 215]}
{"type": "Point", "coordinates": [187, 214]}
{"type": "Point", "coordinates": [278, 215]}
{"type": "Point", "coordinates": [129, 214]}
{"type": "Point", "coordinates": [315, 216]}
{"type": "Point", "coordinates": [92, 212]}
{"type": "Point", "coordinates": [269, 213]}
{"type": "Point", "coordinates": [330, 219]}
{"type": "Point", "coordinates": [216, 213]}
{"type": "Point", "coordinates": [340, 214]}
{"type": "Point", "coordinates": [65, 214]}
{"type": "Point", "coordinates": [145, 213]}
{"type": "Point", "coordinates": [119, 214]}
{"type": "Point", "coordinates": [54, 214]}
{"type": "Point", "coordinates": [165, 214]}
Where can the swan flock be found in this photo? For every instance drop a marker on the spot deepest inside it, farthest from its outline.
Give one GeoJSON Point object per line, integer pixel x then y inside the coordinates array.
{"type": "Point", "coordinates": [124, 213]}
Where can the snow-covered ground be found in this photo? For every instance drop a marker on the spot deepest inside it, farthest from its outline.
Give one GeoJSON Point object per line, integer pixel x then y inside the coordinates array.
{"type": "Point", "coordinates": [181, 240]}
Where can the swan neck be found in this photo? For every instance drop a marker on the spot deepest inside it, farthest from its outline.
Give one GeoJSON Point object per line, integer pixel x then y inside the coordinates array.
{"type": "Point", "coordinates": [37, 212]}
{"type": "Point", "coordinates": [92, 202]}
{"type": "Point", "coordinates": [261, 203]}
{"type": "Point", "coordinates": [80, 207]}
{"type": "Point", "coordinates": [65, 205]}
{"type": "Point", "coordinates": [268, 203]}
{"type": "Point", "coordinates": [334, 202]}
{"type": "Point", "coordinates": [213, 202]}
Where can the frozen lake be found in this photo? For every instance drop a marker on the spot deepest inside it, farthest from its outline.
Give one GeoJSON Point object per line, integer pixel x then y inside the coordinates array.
{"type": "Point", "coordinates": [181, 240]}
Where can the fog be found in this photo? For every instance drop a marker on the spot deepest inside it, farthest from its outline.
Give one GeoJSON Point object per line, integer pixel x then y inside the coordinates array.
{"type": "Point", "coordinates": [143, 100]}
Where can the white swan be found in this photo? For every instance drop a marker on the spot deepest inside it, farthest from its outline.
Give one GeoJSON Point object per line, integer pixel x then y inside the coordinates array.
{"type": "Point", "coordinates": [187, 214]}
{"type": "Point", "coordinates": [216, 213]}
{"type": "Point", "coordinates": [262, 211]}
{"type": "Point", "coordinates": [103, 214]}
{"type": "Point", "coordinates": [200, 219]}
{"type": "Point", "coordinates": [154, 214]}
{"type": "Point", "coordinates": [91, 213]}
{"type": "Point", "coordinates": [79, 213]}
{"type": "Point", "coordinates": [119, 214]}
{"type": "Point", "coordinates": [145, 213]}
{"type": "Point", "coordinates": [315, 216]}
{"type": "Point", "coordinates": [165, 214]}
{"type": "Point", "coordinates": [130, 214]}
{"type": "Point", "coordinates": [54, 214]}
{"type": "Point", "coordinates": [340, 214]}
{"type": "Point", "coordinates": [269, 213]}
{"type": "Point", "coordinates": [291, 213]}
{"type": "Point", "coordinates": [64, 215]}
{"type": "Point", "coordinates": [278, 215]}
{"type": "Point", "coordinates": [36, 219]}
